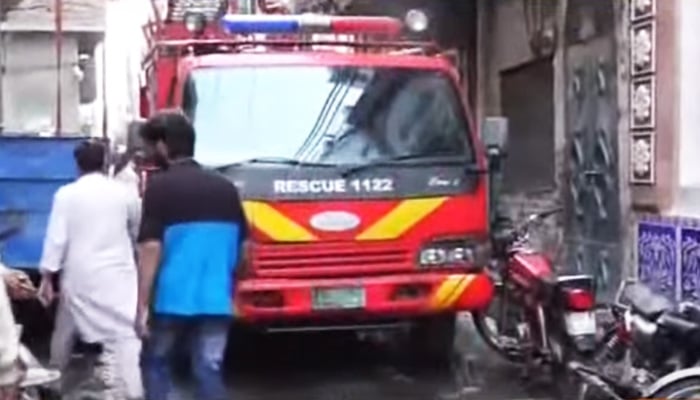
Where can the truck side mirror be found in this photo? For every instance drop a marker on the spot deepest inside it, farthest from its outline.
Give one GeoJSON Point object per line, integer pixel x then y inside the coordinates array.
{"type": "Point", "coordinates": [494, 134]}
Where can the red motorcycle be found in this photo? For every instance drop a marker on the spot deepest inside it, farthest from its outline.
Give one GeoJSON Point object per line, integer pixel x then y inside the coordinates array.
{"type": "Point", "coordinates": [538, 318]}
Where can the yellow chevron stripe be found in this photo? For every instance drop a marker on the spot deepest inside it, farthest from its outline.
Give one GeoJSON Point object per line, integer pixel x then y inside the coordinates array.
{"type": "Point", "coordinates": [402, 218]}
{"type": "Point", "coordinates": [450, 290]}
{"type": "Point", "coordinates": [275, 224]}
{"type": "Point", "coordinates": [459, 290]}
{"type": "Point", "coordinates": [446, 290]}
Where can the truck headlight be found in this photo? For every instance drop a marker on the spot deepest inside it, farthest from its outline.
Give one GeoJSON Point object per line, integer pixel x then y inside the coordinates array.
{"type": "Point", "coordinates": [454, 254]}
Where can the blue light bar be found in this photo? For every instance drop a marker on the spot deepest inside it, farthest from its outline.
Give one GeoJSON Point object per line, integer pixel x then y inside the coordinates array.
{"type": "Point", "coordinates": [248, 24]}
{"type": "Point", "coordinates": [243, 24]}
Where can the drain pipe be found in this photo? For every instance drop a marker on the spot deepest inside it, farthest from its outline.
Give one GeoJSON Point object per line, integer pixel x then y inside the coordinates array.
{"type": "Point", "coordinates": [58, 9]}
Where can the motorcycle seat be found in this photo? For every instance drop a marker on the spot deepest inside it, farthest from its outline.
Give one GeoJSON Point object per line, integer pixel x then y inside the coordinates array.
{"type": "Point", "coordinates": [645, 302]}
{"type": "Point", "coordinates": [679, 326]}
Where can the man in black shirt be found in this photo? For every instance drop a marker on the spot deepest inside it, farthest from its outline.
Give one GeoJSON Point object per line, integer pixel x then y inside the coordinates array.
{"type": "Point", "coordinates": [191, 235]}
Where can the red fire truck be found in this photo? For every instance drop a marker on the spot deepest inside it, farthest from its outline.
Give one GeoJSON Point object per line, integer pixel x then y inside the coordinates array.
{"type": "Point", "coordinates": [357, 159]}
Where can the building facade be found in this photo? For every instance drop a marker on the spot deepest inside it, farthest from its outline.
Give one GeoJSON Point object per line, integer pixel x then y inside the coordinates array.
{"type": "Point", "coordinates": [557, 69]}
{"type": "Point", "coordinates": [601, 98]}
{"type": "Point", "coordinates": [664, 119]}
{"type": "Point", "coordinates": [30, 80]}
{"type": "Point", "coordinates": [599, 94]}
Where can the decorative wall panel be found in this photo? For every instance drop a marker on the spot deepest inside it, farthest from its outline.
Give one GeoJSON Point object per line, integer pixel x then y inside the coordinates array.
{"type": "Point", "coordinates": [642, 9]}
{"type": "Point", "coordinates": [690, 263]}
{"type": "Point", "coordinates": [643, 44]}
{"type": "Point", "coordinates": [642, 106]}
{"type": "Point", "coordinates": [668, 256]}
{"type": "Point", "coordinates": [642, 39]}
{"type": "Point", "coordinates": [657, 249]}
{"type": "Point", "coordinates": [642, 154]}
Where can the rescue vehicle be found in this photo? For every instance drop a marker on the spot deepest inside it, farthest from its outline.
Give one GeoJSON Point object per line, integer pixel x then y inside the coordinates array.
{"type": "Point", "coordinates": [356, 155]}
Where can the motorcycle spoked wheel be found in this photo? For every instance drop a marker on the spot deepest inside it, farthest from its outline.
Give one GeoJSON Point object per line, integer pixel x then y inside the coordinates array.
{"type": "Point", "coordinates": [502, 331]}
{"type": "Point", "coordinates": [39, 394]}
{"type": "Point", "coordinates": [688, 388]}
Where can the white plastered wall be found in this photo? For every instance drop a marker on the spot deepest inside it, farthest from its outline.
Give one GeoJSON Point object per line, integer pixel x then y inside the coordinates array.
{"type": "Point", "coordinates": [125, 47]}
{"type": "Point", "coordinates": [687, 201]}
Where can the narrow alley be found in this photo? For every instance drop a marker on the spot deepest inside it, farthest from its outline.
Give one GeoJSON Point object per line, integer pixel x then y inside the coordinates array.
{"type": "Point", "coordinates": [392, 174]}
{"type": "Point", "coordinates": [339, 366]}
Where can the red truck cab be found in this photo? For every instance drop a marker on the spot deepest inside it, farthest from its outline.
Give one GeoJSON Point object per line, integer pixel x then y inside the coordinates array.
{"type": "Point", "coordinates": [358, 163]}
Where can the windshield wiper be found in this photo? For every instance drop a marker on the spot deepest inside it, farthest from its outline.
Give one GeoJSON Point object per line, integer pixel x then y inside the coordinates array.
{"type": "Point", "coordinates": [416, 160]}
{"type": "Point", "coordinates": [274, 161]}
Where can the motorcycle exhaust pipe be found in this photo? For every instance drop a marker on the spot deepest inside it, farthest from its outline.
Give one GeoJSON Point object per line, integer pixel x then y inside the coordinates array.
{"type": "Point", "coordinates": [590, 377]}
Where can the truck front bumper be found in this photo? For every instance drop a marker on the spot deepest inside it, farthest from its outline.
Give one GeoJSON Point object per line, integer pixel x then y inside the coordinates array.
{"type": "Point", "coordinates": [392, 296]}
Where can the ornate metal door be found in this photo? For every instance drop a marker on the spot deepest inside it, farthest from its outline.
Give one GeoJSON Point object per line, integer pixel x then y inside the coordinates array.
{"type": "Point", "coordinates": [592, 229]}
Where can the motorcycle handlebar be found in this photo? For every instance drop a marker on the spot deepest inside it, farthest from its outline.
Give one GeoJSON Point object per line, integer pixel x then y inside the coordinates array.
{"type": "Point", "coordinates": [510, 234]}
{"type": "Point", "coordinates": [546, 214]}
{"type": "Point", "coordinates": [556, 210]}
{"type": "Point", "coordinates": [537, 217]}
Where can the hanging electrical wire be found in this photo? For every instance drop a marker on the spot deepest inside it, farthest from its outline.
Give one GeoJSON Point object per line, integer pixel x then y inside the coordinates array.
{"type": "Point", "coordinates": [330, 99]}
{"type": "Point", "coordinates": [316, 148]}
{"type": "Point", "coordinates": [58, 14]}
{"type": "Point", "coordinates": [326, 116]}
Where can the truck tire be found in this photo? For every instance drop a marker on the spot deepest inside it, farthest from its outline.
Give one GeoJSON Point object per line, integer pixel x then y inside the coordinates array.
{"type": "Point", "coordinates": [431, 340]}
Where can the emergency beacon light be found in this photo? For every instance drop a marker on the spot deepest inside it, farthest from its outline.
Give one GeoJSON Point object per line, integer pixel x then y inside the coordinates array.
{"type": "Point", "coordinates": [310, 23]}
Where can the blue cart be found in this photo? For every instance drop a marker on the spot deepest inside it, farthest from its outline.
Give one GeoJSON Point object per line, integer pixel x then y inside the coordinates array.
{"type": "Point", "coordinates": [31, 170]}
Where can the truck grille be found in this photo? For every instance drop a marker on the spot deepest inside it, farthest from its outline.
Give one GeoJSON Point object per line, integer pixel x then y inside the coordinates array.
{"type": "Point", "coordinates": [330, 259]}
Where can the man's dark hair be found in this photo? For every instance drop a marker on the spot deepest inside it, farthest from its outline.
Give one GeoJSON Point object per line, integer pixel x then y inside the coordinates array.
{"type": "Point", "coordinates": [174, 129]}
{"type": "Point", "coordinates": [90, 156]}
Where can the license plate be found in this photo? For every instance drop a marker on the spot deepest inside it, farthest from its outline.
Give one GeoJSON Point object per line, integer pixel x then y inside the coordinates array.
{"type": "Point", "coordinates": [338, 298]}
{"type": "Point", "coordinates": [580, 323]}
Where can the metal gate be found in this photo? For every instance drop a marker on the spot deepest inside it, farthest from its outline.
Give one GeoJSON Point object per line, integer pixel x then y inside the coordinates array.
{"type": "Point", "coordinates": [592, 228]}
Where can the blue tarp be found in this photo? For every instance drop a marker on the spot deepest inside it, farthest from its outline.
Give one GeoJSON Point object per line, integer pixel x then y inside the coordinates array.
{"type": "Point", "coordinates": [31, 170]}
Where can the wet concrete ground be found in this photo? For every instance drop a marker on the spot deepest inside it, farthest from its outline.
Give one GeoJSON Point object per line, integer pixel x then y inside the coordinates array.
{"type": "Point", "coordinates": [338, 366]}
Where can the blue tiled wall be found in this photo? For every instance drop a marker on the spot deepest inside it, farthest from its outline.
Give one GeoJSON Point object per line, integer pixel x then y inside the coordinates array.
{"type": "Point", "coordinates": [668, 257]}
{"type": "Point", "coordinates": [690, 263]}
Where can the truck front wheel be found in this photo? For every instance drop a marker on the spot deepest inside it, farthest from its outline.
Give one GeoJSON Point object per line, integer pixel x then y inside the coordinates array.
{"type": "Point", "coordinates": [431, 340]}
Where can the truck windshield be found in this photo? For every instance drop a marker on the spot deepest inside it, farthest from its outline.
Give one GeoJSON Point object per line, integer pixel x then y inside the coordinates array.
{"type": "Point", "coordinates": [325, 114]}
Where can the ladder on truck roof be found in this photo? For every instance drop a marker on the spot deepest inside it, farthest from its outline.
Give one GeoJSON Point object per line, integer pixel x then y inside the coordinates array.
{"type": "Point", "coordinates": [168, 21]}
{"type": "Point", "coordinates": [210, 8]}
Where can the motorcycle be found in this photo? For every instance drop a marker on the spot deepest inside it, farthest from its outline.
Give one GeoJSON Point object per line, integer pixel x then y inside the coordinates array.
{"type": "Point", "coordinates": [652, 350]}
{"type": "Point", "coordinates": [36, 380]}
{"type": "Point", "coordinates": [543, 319]}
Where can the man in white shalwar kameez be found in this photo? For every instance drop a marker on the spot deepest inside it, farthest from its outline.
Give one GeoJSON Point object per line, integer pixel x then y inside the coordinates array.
{"type": "Point", "coordinates": [89, 240]}
{"type": "Point", "coordinates": [10, 370]}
